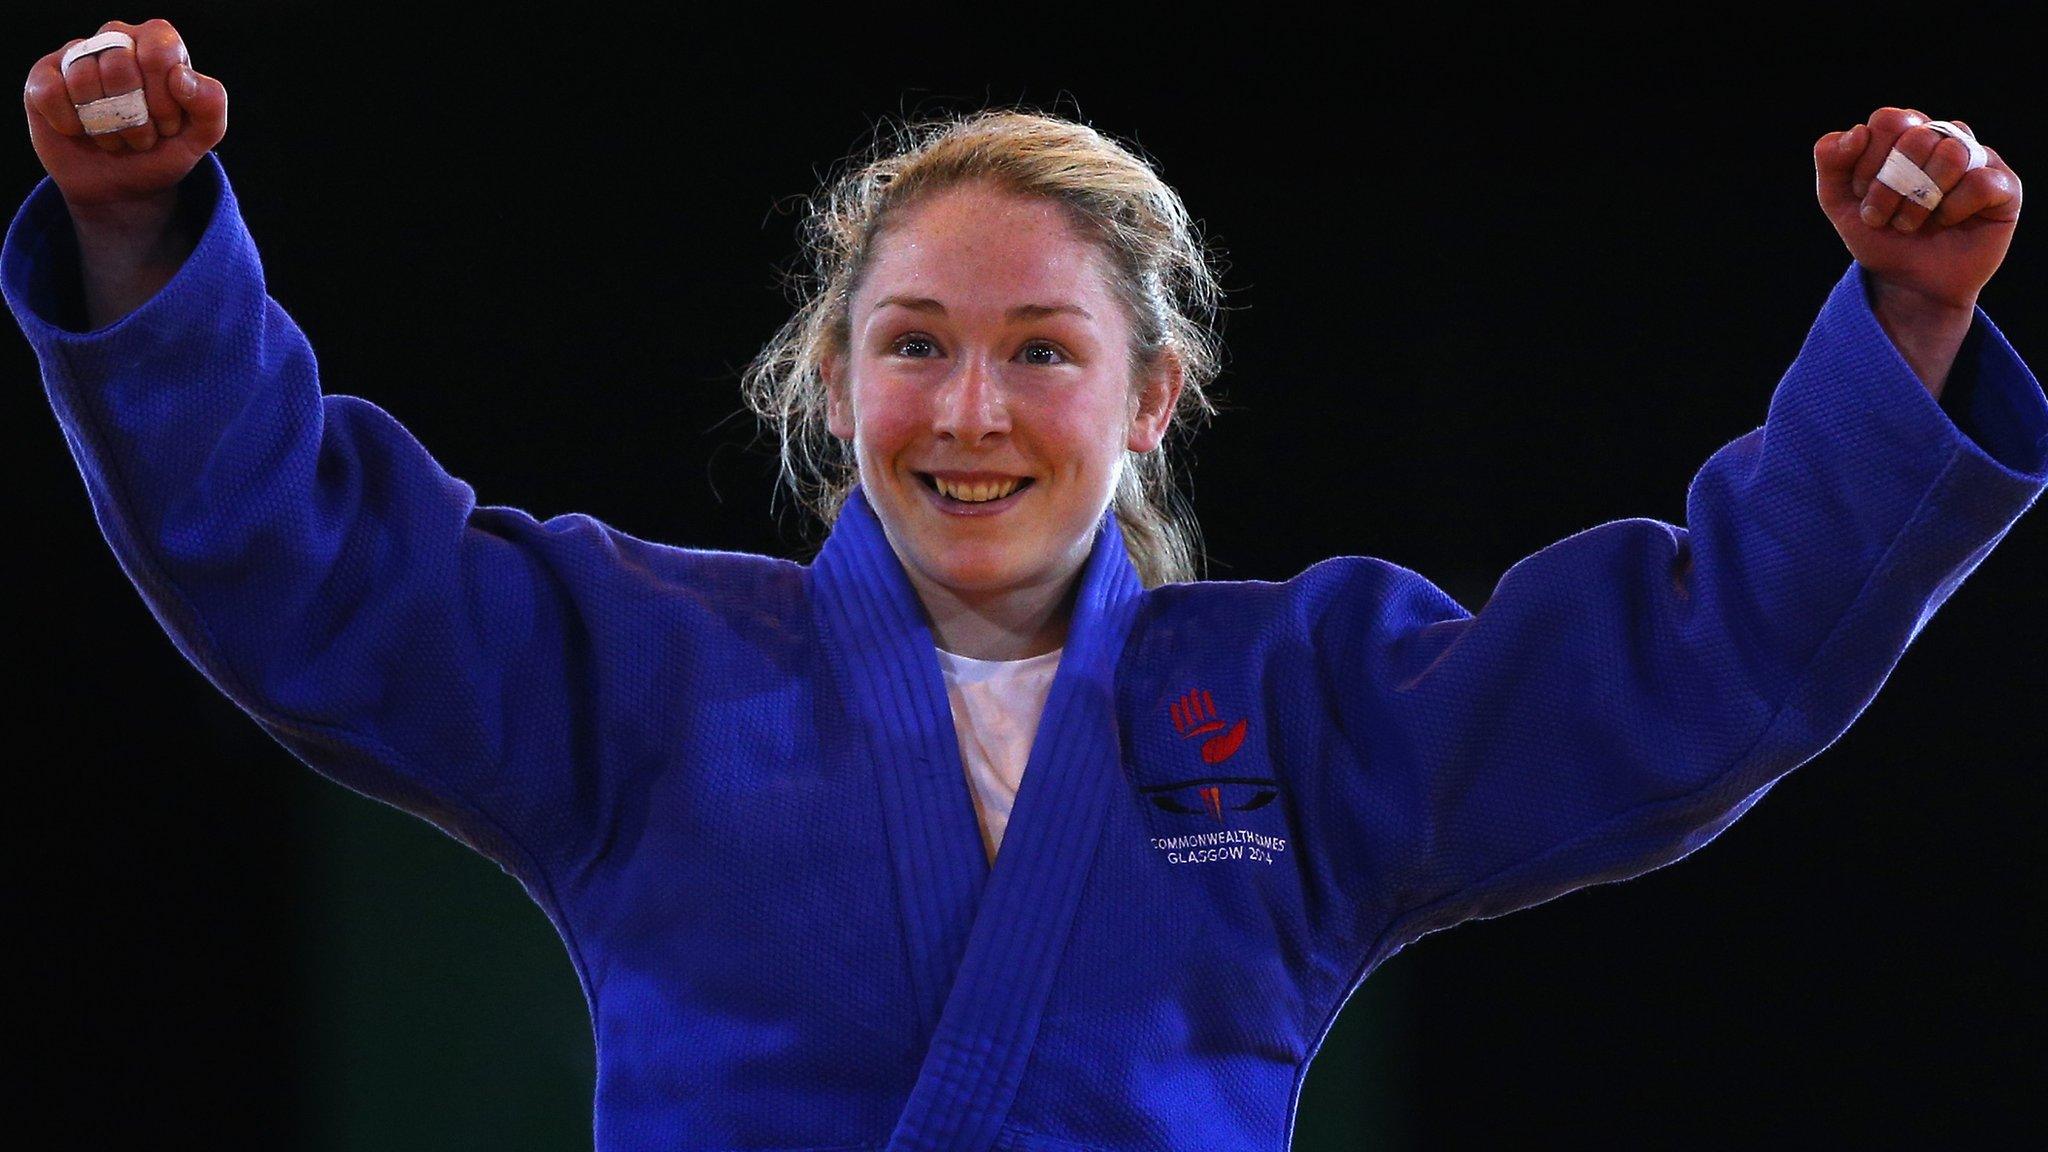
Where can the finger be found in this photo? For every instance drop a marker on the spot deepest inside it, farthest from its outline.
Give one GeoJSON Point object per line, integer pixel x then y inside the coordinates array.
{"type": "Point", "coordinates": [1989, 193]}
{"type": "Point", "coordinates": [1916, 143]}
{"type": "Point", "coordinates": [120, 74]}
{"type": "Point", "coordinates": [159, 49]}
{"type": "Point", "coordinates": [82, 85]}
{"type": "Point", "coordinates": [46, 94]}
{"type": "Point", "coordinates": [82, 77]}
{"type": "Point", "coordinates": [1886, 126]}
{"type": "Point", "coordinates": [1834, 163]}
{"type": "Point", "coordinates": [1942, 158]}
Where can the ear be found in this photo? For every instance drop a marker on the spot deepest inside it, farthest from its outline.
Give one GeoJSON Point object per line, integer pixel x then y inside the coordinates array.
{"type": "Point", "coordinates": [1154, 402]}
{"type": "Point", "coordinates": [838, 408]}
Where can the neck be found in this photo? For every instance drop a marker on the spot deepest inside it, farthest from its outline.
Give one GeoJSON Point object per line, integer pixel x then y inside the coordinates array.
{"type": "Point", "coordinates": [1013, 624]}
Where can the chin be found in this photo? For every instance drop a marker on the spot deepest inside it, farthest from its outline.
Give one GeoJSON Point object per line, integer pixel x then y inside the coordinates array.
{"type": "Point", "coordinates": [982, 577]}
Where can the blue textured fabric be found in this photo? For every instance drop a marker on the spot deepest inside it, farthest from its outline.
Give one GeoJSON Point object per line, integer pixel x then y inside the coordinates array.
{"type": "Point", "coordinates": [732, 782]}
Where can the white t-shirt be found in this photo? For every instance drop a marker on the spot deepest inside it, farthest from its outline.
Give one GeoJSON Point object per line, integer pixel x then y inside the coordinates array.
{"type": "Point", "coordinates": [996, 705]}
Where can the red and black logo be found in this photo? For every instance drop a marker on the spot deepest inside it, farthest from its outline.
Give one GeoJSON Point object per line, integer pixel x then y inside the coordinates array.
{"type": "Point", "coordinates": [1245, 793]}
{"type": "Point", "coordinates": [1195, 718]}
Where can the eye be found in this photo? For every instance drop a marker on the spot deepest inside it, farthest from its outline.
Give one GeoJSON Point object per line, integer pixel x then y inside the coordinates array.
{"type": "Point", "coordinates": [1039, 346]}
{"type": "Point", "coordinates": [915, 347]}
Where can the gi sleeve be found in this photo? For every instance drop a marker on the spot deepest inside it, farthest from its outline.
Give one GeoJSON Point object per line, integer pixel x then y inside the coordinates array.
{"type": "Point", "coordinates": [1628, 692]}
{"type": "Point", "coordinates": [308, 556]}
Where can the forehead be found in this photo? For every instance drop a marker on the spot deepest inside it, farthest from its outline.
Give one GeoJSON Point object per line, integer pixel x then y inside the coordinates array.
{"type": "Point", "coordinates": [980, 244]}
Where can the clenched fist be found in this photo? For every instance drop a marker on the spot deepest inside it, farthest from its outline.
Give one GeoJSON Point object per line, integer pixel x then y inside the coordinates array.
{"type": "Point", "coordinates": [1943, 257]}
{"type": "Point", "coordinates": [140, 165]}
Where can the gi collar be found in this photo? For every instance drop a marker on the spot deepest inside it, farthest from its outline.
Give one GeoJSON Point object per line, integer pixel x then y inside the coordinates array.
{"type": "Point", "coordinates": [983, 944]}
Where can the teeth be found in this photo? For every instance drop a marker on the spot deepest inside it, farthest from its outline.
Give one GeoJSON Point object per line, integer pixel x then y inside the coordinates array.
{"type": "Point", "coordinates": [978, 493]}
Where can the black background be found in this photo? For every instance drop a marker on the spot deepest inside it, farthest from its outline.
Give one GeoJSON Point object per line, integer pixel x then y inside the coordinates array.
{"type": "Point", "coordinates": [1492, 283]}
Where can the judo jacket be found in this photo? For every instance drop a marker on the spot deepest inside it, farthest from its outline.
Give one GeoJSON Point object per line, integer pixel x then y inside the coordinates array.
{"type": "Point", "coordinates": [733, 785]}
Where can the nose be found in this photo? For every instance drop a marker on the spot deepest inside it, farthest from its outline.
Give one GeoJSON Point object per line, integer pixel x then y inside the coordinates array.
{"type": "Point", "coordinates": [970, 406]}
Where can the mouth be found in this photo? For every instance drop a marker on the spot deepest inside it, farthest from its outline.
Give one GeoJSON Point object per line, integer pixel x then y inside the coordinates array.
{"type": "Point", "coordinates": [980, 493]}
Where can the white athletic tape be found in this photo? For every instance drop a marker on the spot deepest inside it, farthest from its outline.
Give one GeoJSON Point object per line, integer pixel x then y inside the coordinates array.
{"type": "Point", "coordinates": [109, 114]}
{"type": "Point", "coordinates": [112, 114]}
{"type": "Point", "coordinates": [1978, 156]}
{"type": "Point", "coordinates": [1903, 176]}
{"type": "Point", "coordinates": [114, 38]}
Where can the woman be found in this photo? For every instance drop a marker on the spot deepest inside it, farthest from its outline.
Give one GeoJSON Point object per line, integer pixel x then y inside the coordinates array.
{"type": "Point", "coordinates": [1231, 802]}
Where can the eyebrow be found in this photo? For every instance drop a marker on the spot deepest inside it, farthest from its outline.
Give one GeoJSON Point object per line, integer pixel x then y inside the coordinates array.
{"type": "Point", "coordinates": [1020, 312]}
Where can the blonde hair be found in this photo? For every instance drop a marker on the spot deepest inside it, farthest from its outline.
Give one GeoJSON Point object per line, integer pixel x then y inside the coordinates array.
{"type": "Point", "coordinates": [1160, 272]}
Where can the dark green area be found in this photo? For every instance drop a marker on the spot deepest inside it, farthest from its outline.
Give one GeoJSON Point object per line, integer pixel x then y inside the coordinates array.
{"type": "Point", "coordinates": [444, 1010]}
{"type": "Point", "coordinates": [1357, 1095]}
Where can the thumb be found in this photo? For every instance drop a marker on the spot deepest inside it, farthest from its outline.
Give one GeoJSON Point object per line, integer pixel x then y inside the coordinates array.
{"type": "Point", "coordinates": [204, 98]}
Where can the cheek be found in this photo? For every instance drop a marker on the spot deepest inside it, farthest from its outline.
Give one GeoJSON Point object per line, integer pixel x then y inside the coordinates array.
{"type": "Point", "coordinates": [887, 421]}
{"type": "Point", "coordinates": [1086, 436]}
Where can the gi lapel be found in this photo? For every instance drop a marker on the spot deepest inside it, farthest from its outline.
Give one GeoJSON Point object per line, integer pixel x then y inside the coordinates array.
{"type": "Point", "coordinates": [984, 958]}
{"type": "Point", "coordinates": [881, 650]}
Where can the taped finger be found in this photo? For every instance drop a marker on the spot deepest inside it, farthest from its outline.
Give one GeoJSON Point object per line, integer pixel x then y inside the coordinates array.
{"type": "Point", "coordinates": [121, 79]}
{"type": "Point", "coordinates": [110, 115]}
{"type": "Point", "coordinates": [1887, 127]}
{"type": "Point", "coordinates": [1955, 131]}
{"type": "Point", "coordinates": [1906, 191]}
{"type": "Point", "coordinates": [112, 38]}
{"type": "Point", "coordinates": [80, 70]}
{"type": "Point", "coordinates": [1901, 175]}
{"type": "Point", "coordinates": [87, 80]}
{"type": "Point", "coordinates": [1921, 168]}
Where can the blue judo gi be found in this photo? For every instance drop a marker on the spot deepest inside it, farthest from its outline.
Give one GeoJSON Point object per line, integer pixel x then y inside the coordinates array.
{"type": "Point", "coordinates": [732, 783]}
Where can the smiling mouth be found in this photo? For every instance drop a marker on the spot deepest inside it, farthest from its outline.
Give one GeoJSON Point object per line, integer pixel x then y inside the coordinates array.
{"type": "Point", "coordinates": [980, 492]}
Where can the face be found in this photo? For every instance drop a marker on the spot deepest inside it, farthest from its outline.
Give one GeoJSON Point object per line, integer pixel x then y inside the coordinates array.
{"type": "Point", "coordinates": [988, 392]}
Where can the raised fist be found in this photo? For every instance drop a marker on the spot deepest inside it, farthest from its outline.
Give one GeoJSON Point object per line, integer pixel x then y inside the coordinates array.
{"type": "Point", "coordinates": [1943, 255]}
{"type": "Point", "coordinates": [188, 114]}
